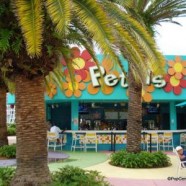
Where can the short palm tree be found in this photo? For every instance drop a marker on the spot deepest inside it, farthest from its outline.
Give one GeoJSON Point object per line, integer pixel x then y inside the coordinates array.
{"type": "Point", "coordinates": [43, 28]}
{"type": "Point", "coordinates": [149, 13]}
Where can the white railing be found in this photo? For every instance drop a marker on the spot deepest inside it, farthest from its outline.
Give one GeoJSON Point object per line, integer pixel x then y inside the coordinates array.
{"type": "Point", "coordinates": [10, 114]}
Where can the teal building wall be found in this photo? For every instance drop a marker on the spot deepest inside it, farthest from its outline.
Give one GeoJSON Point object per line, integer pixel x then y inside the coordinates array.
{"type": "Point", "coordinates": [118, 95]}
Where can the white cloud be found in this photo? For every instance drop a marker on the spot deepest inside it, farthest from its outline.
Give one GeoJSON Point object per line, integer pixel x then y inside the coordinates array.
{"type": "Point", "coordinates": [172, 38]}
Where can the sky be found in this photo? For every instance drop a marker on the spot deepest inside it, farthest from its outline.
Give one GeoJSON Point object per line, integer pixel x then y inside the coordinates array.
{"type": "Point", "coordinates": [171, 38]}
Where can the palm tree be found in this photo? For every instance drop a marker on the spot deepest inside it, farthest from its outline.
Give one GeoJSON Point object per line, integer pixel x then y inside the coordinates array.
{"type": "Point", "coordinates": [149, 13]}
{"type": "Point", "coordinates": [5, 85]}
{"type": "Point", "coordinates": [44, 44]}
{"type": "Point", "coordinates": [3, 125]}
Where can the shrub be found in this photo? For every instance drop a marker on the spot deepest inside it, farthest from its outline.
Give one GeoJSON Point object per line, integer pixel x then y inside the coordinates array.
{"type": "Point", "coordinates": [6, 174]}
{"type": "Point", "coordinates": [8, 151]}
{"type": "Point", "coordinates": [74, 176]}
{"type": "Point", "coordinates": [140, 160]}
{"type": "Point", "coordinates": [11, 129]}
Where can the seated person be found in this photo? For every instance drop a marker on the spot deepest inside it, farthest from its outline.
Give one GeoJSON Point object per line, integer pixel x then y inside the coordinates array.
{"type": "Point", "coordinates": [181, 153]}
{"type": "Point", "coordinates": [57, 131]}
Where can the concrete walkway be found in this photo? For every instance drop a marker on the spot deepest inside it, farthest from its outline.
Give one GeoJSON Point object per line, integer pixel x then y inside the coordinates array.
{"type": "Point", "coordinates": [52, 157]}
{"type": "Point", "coordinates": [147, 177]}
{"type": "Point", "coordinates": [134, 177]}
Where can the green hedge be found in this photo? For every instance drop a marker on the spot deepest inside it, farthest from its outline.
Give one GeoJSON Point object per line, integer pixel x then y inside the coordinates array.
{"type": "Point", "coordinates": [67, 176]}
{"type": "Point", "coordinates": [8, 151]}
{"type": "Point", "coordinates": [6, 174]}
{"type": "Point", "coordinates": [74, 176]}
{"type": "Point", "coordinates": [140, 160]}
{"type": "Point", "coordinates": [11, 129]}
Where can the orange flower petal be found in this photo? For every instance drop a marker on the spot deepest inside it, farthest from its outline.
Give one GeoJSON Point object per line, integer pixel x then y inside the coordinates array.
{"type": "Point", "coordinates": [163, 63]}
{"type": "Point", "coordinates": [127, 92]}
{"type": "Point", "coordinates": [184, 71]}
{"type": "Point", "coordinates": [178, 75]}
{"type": "Point", "coordinates": [51, 95]}
{"type": "Point", "coordinates": [147, 97]}
{"type": "Point", "coordinates": [115, 72]}
{"type": "Point", "coordinates": [87, 79]}
{"type": "Point", "coordinates": [68, 93]}
{"type": "Point", "coordinates": [77, 93]}
{"type": "Point", "coordinates": [78, 78]}
{"type": "Point", "coordinates": [54, 91]}
{"type": "Point", "coordinates": [81, 86]}
{"type": "Point", "coordinates": [184, 63]}
{"type": "Point", "coordinates": [106, 89]}
{"type": "Point", "coordinates": [171, 63]}
{"type": "Point", "coordinates": [177, 58]}
{"type": "Point", "coordinates": [50, 84]}
{"type": "Point", "coordinates": [65, 85]}
{"type": "Point", "coordinates": [171, 71]}
{"type": "Point", "coordinates": [92, 90]}
{"type": "Point", "coordinates": [150, 88]}
{"type": "Point", "coordinates": [68, 78]}
{"type": "Point", "coordinates": [107, 64]}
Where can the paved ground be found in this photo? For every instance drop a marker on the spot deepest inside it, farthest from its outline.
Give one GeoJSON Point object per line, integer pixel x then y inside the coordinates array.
{"type": "Point", "coordinates": [147, 177]}
{"type": "Point", "coordinates": [128, 173]}
{"type": "Point", "coordinates": [126, 177]}
{"type": "Point", "coordinates": [52, 157]}
{"type": "Point", "coordinates": [6, 163]}
{"type": "Point", "coordinates": [144, 182]}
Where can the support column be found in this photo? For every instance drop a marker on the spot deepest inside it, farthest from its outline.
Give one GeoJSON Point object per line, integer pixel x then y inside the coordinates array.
{"type": "Point", "coordinates": [173, 116]}
{"type": "Point", "coordinates": [74, 115]}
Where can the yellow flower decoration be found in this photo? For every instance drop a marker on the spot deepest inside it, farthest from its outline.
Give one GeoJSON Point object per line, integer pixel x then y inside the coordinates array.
{"type": "Point", "coordinates": [52, 90]}
{"type": "Point", "coordinates": [75, 89]}
{"type": "Point", "coordinates": [177, 68]}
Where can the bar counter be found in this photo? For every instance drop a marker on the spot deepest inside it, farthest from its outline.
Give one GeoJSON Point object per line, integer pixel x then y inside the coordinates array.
{"type": "Point", "coordinates": [111, 140]}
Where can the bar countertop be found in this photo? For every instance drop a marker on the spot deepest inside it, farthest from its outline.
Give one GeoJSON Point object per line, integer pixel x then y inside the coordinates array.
{"type": "Point", "coordinates": [123, 131]}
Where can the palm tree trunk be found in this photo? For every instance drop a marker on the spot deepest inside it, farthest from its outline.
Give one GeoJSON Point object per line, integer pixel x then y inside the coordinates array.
{"type": "Point", "coordinates": [32, 168]}
{"type": "Point", "coordinates": [3, 125]}
{"type": "Point", "coordinates": [134, 122]}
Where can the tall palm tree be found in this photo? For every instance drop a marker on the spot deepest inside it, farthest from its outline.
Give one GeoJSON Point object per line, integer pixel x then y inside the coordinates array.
{"type": "Point", "coordinates": [5, 85]}
{"type": "Point", "coordinates": [44, 27]}
{"type": "Point", "coordinates": [149, 13]}
{"type": "Point", "coordinates": [3, 125]}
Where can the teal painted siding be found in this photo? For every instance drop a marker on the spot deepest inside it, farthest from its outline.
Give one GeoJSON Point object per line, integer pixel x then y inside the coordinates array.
{"type": "Point", "coordinates": [119, 93]}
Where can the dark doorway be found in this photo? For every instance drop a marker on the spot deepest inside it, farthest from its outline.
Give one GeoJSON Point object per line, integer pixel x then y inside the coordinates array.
{"type": "Point", "coordinates": [61, 115]}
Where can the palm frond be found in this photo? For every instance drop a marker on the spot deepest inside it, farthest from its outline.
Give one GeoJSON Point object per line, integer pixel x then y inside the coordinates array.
{"type": "Point", "coordinates": [30, 17]}
{"type": "Point", "coordinates": [91, 15]}
{"type": "Point", "coordinates": [5, 36]}
{"type": "Point", "coordinates": [60, 13]}
{"type": "Point", "coordinates": [144, 47]}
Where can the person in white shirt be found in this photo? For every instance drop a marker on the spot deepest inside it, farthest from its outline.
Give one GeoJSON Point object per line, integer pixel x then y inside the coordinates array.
{"type": "Point", "coordinates": [56, 130]}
